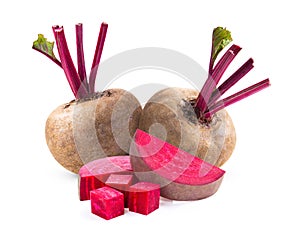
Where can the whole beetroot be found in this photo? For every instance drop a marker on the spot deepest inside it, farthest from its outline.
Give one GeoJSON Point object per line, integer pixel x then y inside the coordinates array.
{"type": "Point", "coordinates": [197, 121]}
{"type": "Point", "coordinates": [169, 115]}
{"type": "Point", "coordinates": [85, 130]}
{"type": "Point", "coordinates": [95, 124]}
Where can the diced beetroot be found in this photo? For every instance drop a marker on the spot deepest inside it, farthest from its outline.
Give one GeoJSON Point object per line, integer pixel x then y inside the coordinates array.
{"type": "Point", "coordinates": [144, 197]}
{"type": "Point", "coordinates": [88, 183]}
{"type": "Point", "coordinates": [107, 202]}
{"type": "Point", "coordinates": [121, 182]}
{"type": "Point", "coordinates": [180, 175]}
{"type": "Point", "coordinates": [94, 174]}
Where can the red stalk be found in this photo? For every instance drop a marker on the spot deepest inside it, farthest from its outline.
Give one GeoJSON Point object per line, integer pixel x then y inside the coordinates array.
{"type": "Point", "coordinates": [80, 55]}
{"type": "Point", "coordinates": [232, 80]}
{"type": "Point", "coordinates": [212, 81]}
{"type": "Point", "coordinates": [237, 97]}
{"type": "Point", "coordinates": [97, 56]}
{"type": "Point", "coordinates": [72, 76]}
{"type": "Point", "coordinates": [211, 61]}
{"type": "Point", "coordinates": [56, 61]}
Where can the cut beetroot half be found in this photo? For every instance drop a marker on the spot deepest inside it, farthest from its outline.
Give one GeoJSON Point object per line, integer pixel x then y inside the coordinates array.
{"type": "Point", "coordinates": [121, 182]}
{"type": "Point", "coordinates": [181, 175]}
{"type": "Point", "coordinates": [94, 174]}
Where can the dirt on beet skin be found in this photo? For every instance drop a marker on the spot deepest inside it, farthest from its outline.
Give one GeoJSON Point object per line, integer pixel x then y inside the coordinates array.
{"type": "Point", "coordinates": [87, 129]}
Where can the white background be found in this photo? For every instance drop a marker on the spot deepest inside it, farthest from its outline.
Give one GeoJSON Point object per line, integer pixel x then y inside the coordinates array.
{"type": "Point", "coordinates": [259, 196]}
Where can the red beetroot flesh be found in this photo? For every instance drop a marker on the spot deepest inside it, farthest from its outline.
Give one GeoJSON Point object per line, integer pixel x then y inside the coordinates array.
{"type": "Point", "coordinates": [94, 174]}
{"type": "Point", "coordinates": [181, 175]}
{"type": "Point", "coordinates": [107, 203]}
{"type": "Point", "coordinates": [144, 197]}
{"type": "Point", "coordinates": [120, 182]}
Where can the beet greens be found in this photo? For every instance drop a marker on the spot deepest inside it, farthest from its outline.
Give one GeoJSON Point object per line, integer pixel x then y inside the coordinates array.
{"type": "Point", "coordinates": [208, 101]}
{"type": "Point", "coordinates": [80, 86]}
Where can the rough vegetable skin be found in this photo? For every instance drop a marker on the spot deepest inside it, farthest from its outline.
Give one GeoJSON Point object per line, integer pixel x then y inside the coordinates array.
{"type": "Point", "coordinates": [171, 110]}
{"type": "Point", "coordinates": [91, 129]}
{"type": "Point", "coordinates": [181, 175]}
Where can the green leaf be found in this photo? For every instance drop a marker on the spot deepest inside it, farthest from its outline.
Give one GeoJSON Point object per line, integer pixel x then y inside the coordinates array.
{"type": "Point", "coordinates": [45, 47]}
{"type": "Point", "coordinates": [220, 39]}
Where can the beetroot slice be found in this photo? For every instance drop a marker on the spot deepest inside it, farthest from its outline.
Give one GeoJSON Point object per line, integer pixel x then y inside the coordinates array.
{"type": "Point", "coordinates": [107, 202]}
{"type": "Point", "coordinates": [94, 174]}
{"type": "Point", "coordinates": [144, 197]}
{"type": "Point", "coordinates": [181, 175]}
{"type": "Point", "coordinates": [120, 182]}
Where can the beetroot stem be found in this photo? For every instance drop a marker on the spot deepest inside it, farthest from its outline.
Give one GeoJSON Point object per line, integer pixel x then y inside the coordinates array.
{"type": "Point", "coordinates": [237, 97]}
{"type": "Point", "coordinates": [212, 80]}
{"type": "Point", "coordinates": [56, 61]}
{"type": "Point", "coordinates": [211, 61]}
{"type": "Point", "coordinates": [72, 76]}
{"type": "Point", "coordinates": [232, 80]}
{"type": "Point", "coordinates": [97, 56]}
{"type": "Point", "coordinates": [80, 55]}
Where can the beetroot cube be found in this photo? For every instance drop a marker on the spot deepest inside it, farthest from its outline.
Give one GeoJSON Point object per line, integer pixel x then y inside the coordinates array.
{"type": "Point", "coordinates": [87, 183]}
{"type": "Point", "coordinates": [144, 197]}
{"type": "Point", "coordinates": [121, 182]}
{"type": "Point", "coordinates": [107, 202]}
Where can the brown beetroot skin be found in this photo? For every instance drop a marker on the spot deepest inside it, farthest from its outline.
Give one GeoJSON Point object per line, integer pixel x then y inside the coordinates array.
{"type": "Point", "coordinates": [169, 116]}
{"type": "Point", "coordinates": [89, 129]}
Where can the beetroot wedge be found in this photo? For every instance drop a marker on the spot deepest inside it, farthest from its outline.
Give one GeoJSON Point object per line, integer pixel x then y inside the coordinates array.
{"type": "Point", "coordinates": [180, 175]}
{"type": "Point", "coordinates": [94, 174]}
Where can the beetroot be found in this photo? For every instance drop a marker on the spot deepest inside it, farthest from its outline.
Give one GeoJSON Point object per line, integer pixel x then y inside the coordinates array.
{"type": "Point", "coordinates": [144, 197]}
{"type": "Point", "coordinates": [169, 116]}
{"type": "Point", "coordinates": [94, 174]}
{"type": "Point", "coordinates": [181, 175]}
{"type": "Point", "coordinates": [95, 124]}
{"type": "Point", "coordinates": [197, 122]}
{"type": "Point", "coordinates": [107, 203]}
{"type": "Point", "coordinates": [121, 182]}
